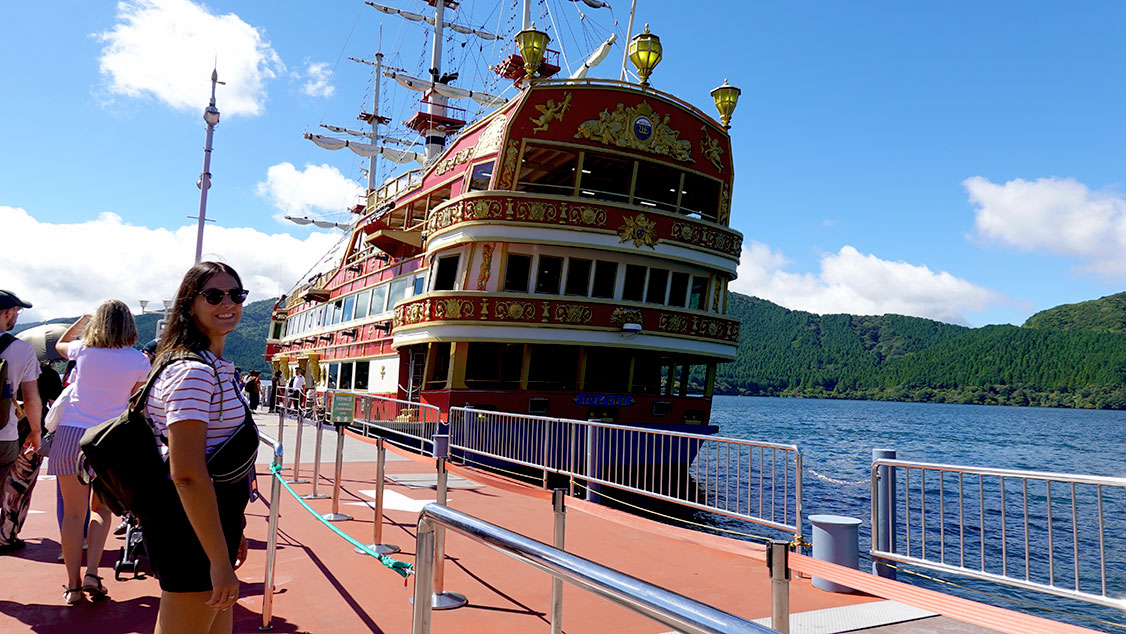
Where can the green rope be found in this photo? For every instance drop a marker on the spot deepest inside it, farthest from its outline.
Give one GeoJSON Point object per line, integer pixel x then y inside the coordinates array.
{"type": "Point", "coordinates": [402, 568]}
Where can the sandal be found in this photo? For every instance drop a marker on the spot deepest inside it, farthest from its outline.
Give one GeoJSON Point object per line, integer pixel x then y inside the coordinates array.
{"type": "Point", "coordinates": [72, 596]}
{"type": "Point", "coordinates": [96, 592]}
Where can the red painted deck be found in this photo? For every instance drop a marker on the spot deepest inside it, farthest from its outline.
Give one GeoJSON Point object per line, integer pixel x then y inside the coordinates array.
{"type": "Point", "coordinates": [324, 587]}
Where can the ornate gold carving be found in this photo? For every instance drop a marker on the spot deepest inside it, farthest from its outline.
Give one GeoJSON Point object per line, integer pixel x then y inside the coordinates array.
{"type": "Point", "coordinates": [673, 323]}
{"type": "Point", "coordinates": [638, 128]}
{"type": "Point", "coordinates": [485, 309]}
{"type": "Point", "coordinates": [508, 168]}
{"type": "Point", "coordinates": [490, 139]}
{"type": "Point", "coordinates": [715, 297]}
{"type": "Point", "coordinates": [639, 229]}
{"type": "Point", "coordinates": [626, 316]}
{"type": "Point", "coordinates": [590, 216]}
{"type": "Point", "coordinates": [711, 149]}
{"type": "Point", "coordinates": [451, 162]}
{"type": "Point", "coordinates": [453, 308]}
{"type": "Point", "coordinates": [549, 112]}
{"type": "Point", "coordinates": [573, 313]}
{"type": "Point", "coordinates": [416, 312]}
{"type": "Point", "coordinates": [704, 236]}
{"type": "Point", "coordinates": [724, 205]}
{"type": "Point", "coordinates": [521, 311]}
{"type": "Point", "coordinates": [486, 266]}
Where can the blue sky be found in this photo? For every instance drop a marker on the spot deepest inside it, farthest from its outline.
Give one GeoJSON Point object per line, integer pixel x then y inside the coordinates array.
{"type": "Point", "coordinates": [960, 160]}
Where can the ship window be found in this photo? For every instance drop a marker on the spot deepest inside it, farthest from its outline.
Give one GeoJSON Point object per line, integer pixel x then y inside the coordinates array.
{"type": "Point", "coordinates": [578, 277]}
{"type": "Point", "coordinates": [363, 300]}
{"type": "Point", "coordinates": [605, 276]}
{"type": "Point", "coordinates": [360, 380]}
{"type": "Point", "coordinates": [634, 287]}
{"type": "Point", "coordinates": [378, 299]}
{"type": "Point", "coordinates": [480, 176]}
{"type": "Point", "coordinates": [657, 186]}
{"type": "Point", "coordinates": [439, 366]}
{"type": "Point", "coordinates": [647, 373]}
{"type": "Point", "coordinates": [678, 289]}
{"type": "Point", "coordinates": [398, 290]}
{"type": "Point", "coordinates": [607, 370]}
{"type": "Point", "coordinates": [655, 290]}
{"type": "Point", "coordinates": [345, 376]}
{"type": "Point", "coordinates": [699, 287]}
{"type": "Point", "coordinates": [700, 198]}
{"type": "Point", "coordinates": [349, 308]}
{"type": "Point", "coordinates": [333, 374]}
{"type": "Point", "coordinates": [277, 331]}
{"type": "Point", "coordinates": [549, 274]}
{"type": "Point", "coordinates": [606, 178]}
{"type": "Point", "coordinates": [553, 368]}
{"type": "Point", "coordinates": [445, 277]}
{"type": "Point", "coordinates": [516, 273]}
{"type": "Point", "coordinates": [419, 285]}
{"type": "Point", "coordinates": [337, 311]}
{"type": "Point", "coordinates": [494, 365]}
{"type": "Point", "coordinates": [547, 170]}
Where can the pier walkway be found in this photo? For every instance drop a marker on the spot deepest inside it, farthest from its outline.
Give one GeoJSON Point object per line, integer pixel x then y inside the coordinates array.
{"type": "Point", "coordinates": [323, 586]}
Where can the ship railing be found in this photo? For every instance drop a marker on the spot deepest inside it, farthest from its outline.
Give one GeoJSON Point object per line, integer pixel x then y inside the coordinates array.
{"type": "Point", "coordinates": [1041, 531]}
{"type": "Point", "coordinates": [407, 424]}
{"type": "Point", "coordinates": [757, 482]}
{"type": "Point", "coordinates": [662, 605]}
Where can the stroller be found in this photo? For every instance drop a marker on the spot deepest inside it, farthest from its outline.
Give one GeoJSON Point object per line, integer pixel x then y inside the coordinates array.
{"type": "Point", "coordinates": [133, 557]}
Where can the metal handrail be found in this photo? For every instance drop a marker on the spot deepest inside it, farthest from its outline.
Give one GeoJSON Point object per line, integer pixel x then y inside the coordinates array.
{"type": "Point", "coordinates": [664, 606]}
{"type": "Point", "coordinates": [418, 421]}
{"type": "Point", "coordinates": [1005, 521]}
{"type": "Point", "coordinates": [758, 482]}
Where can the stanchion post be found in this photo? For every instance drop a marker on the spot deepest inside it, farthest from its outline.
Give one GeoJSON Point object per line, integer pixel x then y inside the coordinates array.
{"type": "Point", "coordinates": [380, 471]}
{"type": "Point", "coordinates": [558, 503]}
{"type": "Point", "coordinates": [443, 600]}
{"type": "Point", "coordinates": [778, 560]}
{"type": "Point", "coordinates": [423, 576]}
{"type": "Point", "coordinates": [317, 465]}
{"type": "Point", "coordinates": [272, 545]}
{"type": "Point", "coordinates": [883, 504]}
{"type": "Point", "coordinates": [296, 479]}
{"type": "Point", "coordinates": [336, 515]}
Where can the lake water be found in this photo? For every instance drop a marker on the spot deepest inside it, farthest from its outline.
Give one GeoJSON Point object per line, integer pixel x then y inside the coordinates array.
{"type": "Point", "coordinates": [836, 438]}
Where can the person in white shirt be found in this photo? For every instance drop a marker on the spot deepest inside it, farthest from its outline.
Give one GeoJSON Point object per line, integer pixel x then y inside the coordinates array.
{"type": "Point", "coordinates": [23, 373]}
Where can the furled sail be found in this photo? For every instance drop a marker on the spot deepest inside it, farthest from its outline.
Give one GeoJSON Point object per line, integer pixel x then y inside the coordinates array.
{"type": "Point", "coordinates": [414, 17]}
{"type": "Point", "coordinates": [596, 58]}
{"type": "Point", "coordinates": [446, 90]}
{"type": "Point", "coordinates": [381, 137]}
{"type": "Point", "coordinates": [594, 4]}
{"type": "Point", "coordinates": [367, 149]}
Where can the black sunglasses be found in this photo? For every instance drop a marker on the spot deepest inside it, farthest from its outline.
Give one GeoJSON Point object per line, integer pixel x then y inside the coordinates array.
{"type": "Point", "coordinates": [213, 295]}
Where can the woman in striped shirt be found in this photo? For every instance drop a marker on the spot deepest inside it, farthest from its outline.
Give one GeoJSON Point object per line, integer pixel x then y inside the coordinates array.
{"type": "Point", "coordinates": [195, 544]}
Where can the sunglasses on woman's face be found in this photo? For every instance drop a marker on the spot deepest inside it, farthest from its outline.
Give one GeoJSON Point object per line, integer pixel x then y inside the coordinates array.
{"type": "Point", "coordinates": [213, 295]}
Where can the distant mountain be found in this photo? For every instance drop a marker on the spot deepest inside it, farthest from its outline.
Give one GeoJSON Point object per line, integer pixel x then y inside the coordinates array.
{"type": "Point", "coordinates": [1106, 314]}
{"type": "Point", "coordinates": [245, 347]}
{"type": "Point", "coordinates": [1077, 361]}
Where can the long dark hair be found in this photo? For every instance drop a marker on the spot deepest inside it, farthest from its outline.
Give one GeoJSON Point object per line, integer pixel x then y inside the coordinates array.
{"type": "Point", "coordinates": [181, 332]}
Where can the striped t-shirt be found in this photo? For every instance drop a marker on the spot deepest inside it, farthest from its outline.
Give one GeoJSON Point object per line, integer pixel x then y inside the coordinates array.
{"type": "Point", "coordinates": [187, 390]}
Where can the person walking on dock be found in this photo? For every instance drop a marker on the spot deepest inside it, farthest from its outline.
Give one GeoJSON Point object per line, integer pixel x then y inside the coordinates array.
{"type": "Point", "coordinates": [21, 372]}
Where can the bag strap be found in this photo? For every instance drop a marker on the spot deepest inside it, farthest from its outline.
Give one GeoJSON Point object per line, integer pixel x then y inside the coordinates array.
{"type": "Point", "coordinates": [6, 340]}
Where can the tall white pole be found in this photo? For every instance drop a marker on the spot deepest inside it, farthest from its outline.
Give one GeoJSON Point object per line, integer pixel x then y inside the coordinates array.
{"type": "Point", "coordinates": [629, 35]}
{"type": "Point", "coordinates": [375, 119]}
{"type": "Point", "coordinates": [527, 23]}
{"type": "Point", "coordinates": [211, 116]}
{"type": "Point", "coordinates": [436, 139]}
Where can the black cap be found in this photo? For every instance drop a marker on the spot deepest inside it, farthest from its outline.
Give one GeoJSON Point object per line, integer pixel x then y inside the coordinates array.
{"type": "Point", "coordinates": [8, 299]}
{"type": "Point", "coordinates": [150, 347]}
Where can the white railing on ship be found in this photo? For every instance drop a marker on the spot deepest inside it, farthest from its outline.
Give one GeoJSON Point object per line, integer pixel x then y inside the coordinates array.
{"type": "Point", "coordinates": [407, 424]}
{"type": "Point", "coordinates": [756, 482]}
{"type": "Point", "coordinates": [1009, 516]}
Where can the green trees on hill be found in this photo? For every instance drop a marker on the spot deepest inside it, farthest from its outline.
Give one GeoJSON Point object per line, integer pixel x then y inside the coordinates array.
{"type": "Point", "coordinates": [892, 357]}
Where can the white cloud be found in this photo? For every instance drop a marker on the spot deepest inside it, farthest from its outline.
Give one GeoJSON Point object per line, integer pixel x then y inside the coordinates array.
{"type": "Point", "coordinates": [852, 282]}
{"type": "Point", "coordinates": [67, 269]}
{"type": "Point", "coordinates": [167, 49]}
{"type": "Point", "coordinates": [1060, 216]}
{"type": "Point", "coordinates": [317, 189]}
{"type": "Point", "coordinates": [319, 75]}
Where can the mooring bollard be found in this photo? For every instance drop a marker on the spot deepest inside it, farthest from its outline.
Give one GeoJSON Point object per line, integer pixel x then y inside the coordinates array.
{"type": "Point", "coordinates": [835, 540]}
{"type": "Point", "coordinates": [778, 561]}
{"type": "Point", "coordinates": [380, 470]}
{"type": "Point", "coordinates": [883, 512]}
{"type": "Point", "coordinates": [443, 600]}
{"type": "Point", "coordinates": [559, 506]}
{"type": "Point", "coordinates": [336, 515]}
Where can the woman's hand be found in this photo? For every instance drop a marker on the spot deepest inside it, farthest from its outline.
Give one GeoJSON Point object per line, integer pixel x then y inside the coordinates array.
{"type": "Point", "coordinates": [224, 586]}
{"type": "Point", "coordinates": [240, 558]}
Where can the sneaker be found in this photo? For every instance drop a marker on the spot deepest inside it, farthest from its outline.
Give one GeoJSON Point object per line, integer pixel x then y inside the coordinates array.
{"type": "Point", "coordinates": [12, 546]}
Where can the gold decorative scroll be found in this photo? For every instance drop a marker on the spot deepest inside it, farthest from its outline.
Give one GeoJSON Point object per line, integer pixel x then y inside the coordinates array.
{"type": "Point", "coordinates": [639, 229]}
{"type": "Point", "coordinates": [514, 310]}
{"type": "Point", "coordinates": [573, 313]}
{"type": "Point", "coordinates": [625, 316]}
{"type": "Point", "coordinates": [491, 138]}
{"type": "Point", "coordinates": [724, 205]}
{"type": "Point", "coordinates": [639, 128]}
{"type": "Point", "coordinates": [549, 112]}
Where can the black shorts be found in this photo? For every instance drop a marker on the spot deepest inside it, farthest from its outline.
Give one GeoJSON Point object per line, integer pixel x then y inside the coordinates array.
{"type": "Point", "coordinates": [174, 551]}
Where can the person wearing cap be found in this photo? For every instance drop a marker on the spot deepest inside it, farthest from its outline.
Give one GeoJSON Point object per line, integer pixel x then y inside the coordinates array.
{"type": "Point", "coordinates": [23, 374]}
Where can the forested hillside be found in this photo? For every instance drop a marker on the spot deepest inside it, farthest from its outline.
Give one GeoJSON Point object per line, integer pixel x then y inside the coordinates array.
{"type": "Point", "coordinates": [892, 357]}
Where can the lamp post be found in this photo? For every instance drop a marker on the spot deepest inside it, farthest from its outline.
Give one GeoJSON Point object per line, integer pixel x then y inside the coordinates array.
{"type": "Point", "coordinates": [645, 53]}
{"type": "Point", "coordinates": [163, 321]}
{"type": "Point", "coordinates": [726, 97]}
{"type": "Point", "coordinates": [532, 45]}
{"type": "Point", "coordinates": [211, 117]}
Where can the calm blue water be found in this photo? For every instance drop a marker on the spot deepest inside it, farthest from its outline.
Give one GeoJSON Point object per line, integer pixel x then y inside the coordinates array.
{"type": "Point", "coordinates": [837, 437]}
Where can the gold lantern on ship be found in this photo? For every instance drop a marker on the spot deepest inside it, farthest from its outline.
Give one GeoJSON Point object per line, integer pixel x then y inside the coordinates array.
{"type": "Point", "coordinates": [532, 45]}
{"type": "Point", "coordinates": [726, 97]}
{"type": "Point", "coordinates": [645, 53]}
